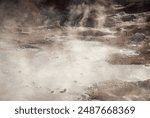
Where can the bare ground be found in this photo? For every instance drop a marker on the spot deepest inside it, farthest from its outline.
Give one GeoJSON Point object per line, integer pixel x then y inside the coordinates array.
{"type": "Point", "coordinates": [54, 62]}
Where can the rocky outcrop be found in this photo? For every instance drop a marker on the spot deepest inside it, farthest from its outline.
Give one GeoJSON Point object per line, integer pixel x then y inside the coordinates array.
{"type": "Point", "coordinates": [133, 6]}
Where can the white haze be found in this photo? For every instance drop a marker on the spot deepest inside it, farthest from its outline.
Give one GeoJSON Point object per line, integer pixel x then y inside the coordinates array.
{"type": "Point", "coordinates": [68, 64]}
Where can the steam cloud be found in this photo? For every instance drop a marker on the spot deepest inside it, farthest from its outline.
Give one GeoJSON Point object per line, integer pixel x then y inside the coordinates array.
{"type": "Point", "coordinates": [56, 50]}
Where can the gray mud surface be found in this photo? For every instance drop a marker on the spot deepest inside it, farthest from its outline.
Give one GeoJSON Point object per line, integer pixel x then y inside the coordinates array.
{"type": "Point", "coordinates": [81, 59]}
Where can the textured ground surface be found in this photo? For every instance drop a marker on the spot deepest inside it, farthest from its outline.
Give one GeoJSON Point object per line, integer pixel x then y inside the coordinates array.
{"type": "Point", "coordinates": [105, 56]}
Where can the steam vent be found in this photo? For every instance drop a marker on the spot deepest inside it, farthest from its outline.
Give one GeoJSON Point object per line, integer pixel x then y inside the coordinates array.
{"type": "Point", "coordinates": [74, 50]}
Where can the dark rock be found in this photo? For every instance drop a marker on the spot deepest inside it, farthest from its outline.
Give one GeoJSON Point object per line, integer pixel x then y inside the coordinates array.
{"type": "Point", "coordinates": [128, 17]}
{"type": "Point", "coordinates": [109, 22]}
{"type": "Point", "coordinates": [138, 37]}
{"type": "Point", "coordinates": [77, 19]}
{"type": "Point", "coordinates": [63, 91]}
{"type": "Point", "coordinates": [91, 22]}
{"type": "Point", "coordinates": [93, 33]}
{"type": "Point", "coordinates": [144, 84]}
{"type": "Point", "coordinates": [28, 46]}
{"type": "Point", "coordinates": [134, 6]}
{"type": "Point", "coordinates": [148, 18]}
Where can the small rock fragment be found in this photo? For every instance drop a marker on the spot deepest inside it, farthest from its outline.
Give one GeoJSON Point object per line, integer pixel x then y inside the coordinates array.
{"type": "Point", "coordinates": [138, 37]}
